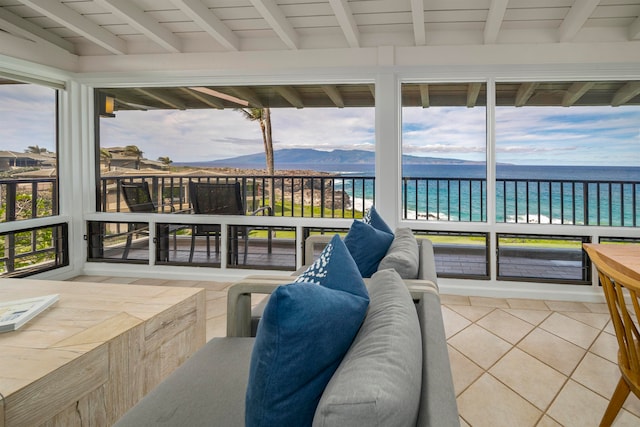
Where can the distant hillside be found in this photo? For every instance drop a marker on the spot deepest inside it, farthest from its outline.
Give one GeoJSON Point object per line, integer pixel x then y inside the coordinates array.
{"type": "Point", "coordinates": [307, 157]}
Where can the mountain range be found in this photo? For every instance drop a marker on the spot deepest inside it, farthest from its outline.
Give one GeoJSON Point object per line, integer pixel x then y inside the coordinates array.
{"type": "Point", "coordinates": [308, 156]}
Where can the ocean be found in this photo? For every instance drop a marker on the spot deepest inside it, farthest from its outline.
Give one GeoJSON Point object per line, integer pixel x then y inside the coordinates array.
{"type": "Point", "coordinates": [582, 195]}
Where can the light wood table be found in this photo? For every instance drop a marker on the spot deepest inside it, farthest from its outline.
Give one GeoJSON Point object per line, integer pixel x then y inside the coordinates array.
{"type": "Point", "coordinates": [624, 258]}
{"type": "Point", "coordinates": [97, 351]}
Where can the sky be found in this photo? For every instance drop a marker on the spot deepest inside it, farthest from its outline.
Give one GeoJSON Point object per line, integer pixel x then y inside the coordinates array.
{"type": "Point", "coordinates": [528, 135]}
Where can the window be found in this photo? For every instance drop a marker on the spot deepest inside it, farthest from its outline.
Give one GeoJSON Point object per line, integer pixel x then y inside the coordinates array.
{"type": "Point", "coordinates": [444, 151]}
{"type": "Point", "coordinates": [567, 153]}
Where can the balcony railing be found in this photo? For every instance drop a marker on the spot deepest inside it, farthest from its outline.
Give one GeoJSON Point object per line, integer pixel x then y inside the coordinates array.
{"type": "Point", "coordinates": [601, 203]}
{"type": "Point", "coordinates": [27, 198]}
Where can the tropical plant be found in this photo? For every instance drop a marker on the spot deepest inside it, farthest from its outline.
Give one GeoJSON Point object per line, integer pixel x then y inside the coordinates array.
{"type": "Point", "coordinates": [133, 150]}
{"type": "Point", "coordinates": [106, 156]}
{"type": "Point", "coordinates": [35, 149]}
{"type": "Point", "coordinates": [165, 160]}
{"type": "Point", "coordinates": [263, 117]}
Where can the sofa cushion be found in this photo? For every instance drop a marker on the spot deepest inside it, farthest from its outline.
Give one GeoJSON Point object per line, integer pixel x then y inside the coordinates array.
{"type": "Point", "coordinates": [335, 269]}
{"type": "Point", "coordinates": [373, 218]}
{"type": "Point", "coordinates": [403, 254]}
{"type": "Point", "coordinates": [379, 379]}
{"type": "Point", "coordinates": [305, 330]}
{"type": "Point", "coordinates": [367, 246]}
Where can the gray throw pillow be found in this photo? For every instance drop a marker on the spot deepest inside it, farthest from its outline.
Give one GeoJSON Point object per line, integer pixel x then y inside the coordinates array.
{"type": "Point", "coordinates": [403, 255]}
{"type": "Point", "coordinates": [378, 382]}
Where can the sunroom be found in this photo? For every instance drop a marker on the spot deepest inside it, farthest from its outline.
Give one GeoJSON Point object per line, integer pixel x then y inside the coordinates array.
{"type": "Point", "coordinates": [416, 79]}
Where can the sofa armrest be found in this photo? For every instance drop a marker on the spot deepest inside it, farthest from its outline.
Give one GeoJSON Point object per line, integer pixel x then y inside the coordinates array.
{"type": "Point", "coordinates": [427, 260]}
{"type": "Point", "coordinates": [239, 303]}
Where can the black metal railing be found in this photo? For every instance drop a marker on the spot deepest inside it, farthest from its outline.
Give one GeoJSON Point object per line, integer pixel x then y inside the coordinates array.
{"type": "Point", "coordinates": [28, 198]}
{"type": "Point", "coordinates": [294, 196]}
{"type": "Point", "coordinates": [601, 203]}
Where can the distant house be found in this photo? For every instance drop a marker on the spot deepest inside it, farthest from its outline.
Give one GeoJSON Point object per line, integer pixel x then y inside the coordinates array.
{"type": "Point", "coordinates": [11, 160]}
{"type": "Point", "coordinates": [120, 159]}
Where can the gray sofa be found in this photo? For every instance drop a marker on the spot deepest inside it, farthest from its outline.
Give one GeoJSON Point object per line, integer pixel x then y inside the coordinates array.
{"type": "Point", "coordinates": [209, 388]}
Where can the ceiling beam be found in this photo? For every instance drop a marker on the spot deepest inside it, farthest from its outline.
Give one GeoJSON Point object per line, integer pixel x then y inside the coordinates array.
{"type": "Point", "coordinates": [347, 22]}
{"type": "Point", "coordinates": [634, 29]}
{"type": "Point", "coordinates": [424, 95]}
{"type": "Point", "coordinates": [221, 95]}
{"type": "Point", "coordinates": [576, 18]}
{"type": "Point", "coordinates": [575, 92]}
{"type": "Point", "coordinates": [417, 17]}
{"type": "Point", "coordinates": [334, 95]}
{"type": "Point", "coordinates": [497, 9]}
{"type": "Point", "coordinates": [142, 22]}
{"type": "Point", "coordinates": [164, 98]}
{"type": "Point", "coordinates": [248, 95]}
{"type": "Point", "coordinates": [78, 24]}
{"type": "Point", "coordinates": [291, 95]}
{"type": "Point", "coordinates": [269, 10]}
{"type": "Point", "coordinates": [209, 22]}
{"type": "Point", "coordinates": [20, 27]}
{"type": "Point", "coordinates": [204, 98]}
{"type": "Point", "coordinates": [525, 91]}
{"type": "Point", "coordinates": [626, 93]}
{"type": "Point", "coordinates": [473, 90]}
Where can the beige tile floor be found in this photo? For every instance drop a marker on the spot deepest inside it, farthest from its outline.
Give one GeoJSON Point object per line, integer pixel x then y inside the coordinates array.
{"type": "Point", "coordinates": [515, 362]}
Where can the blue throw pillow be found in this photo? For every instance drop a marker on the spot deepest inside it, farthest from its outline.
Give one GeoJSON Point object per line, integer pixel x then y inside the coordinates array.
{"type": "Point", "coordinates": [367, 246]}
{"type": "Point", "coordinates": [305, 331]}
{"type": "Point", "coordinates": [335, 269]}
{"type": "Point", "coordinates": [373, 218]}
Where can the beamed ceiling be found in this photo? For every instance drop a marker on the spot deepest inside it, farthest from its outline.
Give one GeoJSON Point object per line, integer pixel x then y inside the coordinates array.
{"type": "Point", "coordinates": [123, 28]}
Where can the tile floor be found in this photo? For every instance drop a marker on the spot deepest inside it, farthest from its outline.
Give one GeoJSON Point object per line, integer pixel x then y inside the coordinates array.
{"type": "Point", "coordinates": [515, 362]}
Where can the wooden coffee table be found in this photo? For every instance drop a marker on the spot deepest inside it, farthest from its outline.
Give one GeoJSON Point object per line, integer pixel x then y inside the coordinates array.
{"type": "Point", "coordinates": [97, 351]}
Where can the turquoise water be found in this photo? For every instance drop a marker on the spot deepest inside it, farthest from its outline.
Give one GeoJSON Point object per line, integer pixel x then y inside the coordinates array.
{"type": "Point", "coordinates": [533, 194]}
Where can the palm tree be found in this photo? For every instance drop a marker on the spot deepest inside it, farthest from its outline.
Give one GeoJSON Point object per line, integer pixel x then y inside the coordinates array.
{"type": "Point", "coordinates": [263, 117]}
{"type": "Point", "coordinates": [133, 150]}
{"type": "Point", "coordinates": [106, 155]}
{"type": "Point", "coordinates": [165, 160]}
{"type": "Point", "coordinates": [35, 149]}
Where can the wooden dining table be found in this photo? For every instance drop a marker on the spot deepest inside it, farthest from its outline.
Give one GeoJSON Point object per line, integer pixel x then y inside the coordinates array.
{"type": "Point", "coordinates": [624, 258]}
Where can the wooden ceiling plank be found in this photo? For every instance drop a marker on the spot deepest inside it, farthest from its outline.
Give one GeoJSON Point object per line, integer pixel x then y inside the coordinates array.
{"type": "Point", "coordinates": [417, 18]}
{"type": "Point", "coordinates": [497, 9]}
{"type": "Point", "coordinates": [209, 22]}
{"type": "Point", "coordinates": [204, 98]}
{"type": "Point", "coordinates": [23, 28]}
{"type": "Point", "coordinates": [575, 92]}
{"type": "Point", "coordinates": [164, 98]}
{"type": "Point", "coordinates": [269, 10]}
{"type": "Point", "coordinates": [347, 22]}
{"type": "Point", "coordinates": [473, 90]}
{"type": "Point", "coordinates": [576, 18]}
{"type": "Point", "coordinates": [525, 91]}
{"type": "Point", "coordinates": [79, 24]}
{"type": "Point", "coordinates": [291, 95]}
{"type": "Point", "coordinates": [424, 95]}
{"type": "Point", "coordinates": [334, 95]}
{"type": "Point", "coordinates": [627, 92]}
{"type": "Point", "coordinates": [141, 21]}
{"type": "Point", "coordinates": [248, 95]}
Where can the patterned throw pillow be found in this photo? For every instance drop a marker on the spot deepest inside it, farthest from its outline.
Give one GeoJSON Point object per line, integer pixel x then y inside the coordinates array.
{"type": "Point", "coordinates": [335, 268]}
{"type": "Point", "coordinates": [373, 218]}
{"type": "Point", "coordinates": [305, 331]}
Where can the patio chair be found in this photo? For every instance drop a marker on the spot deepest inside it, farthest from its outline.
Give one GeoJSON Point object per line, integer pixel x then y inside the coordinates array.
{"type": "Point", "coordinates": [138, 199]}
{"type": "Point", "coordinates": [220, 199]}
{"type": "Point", "coordinates": [621, 292]}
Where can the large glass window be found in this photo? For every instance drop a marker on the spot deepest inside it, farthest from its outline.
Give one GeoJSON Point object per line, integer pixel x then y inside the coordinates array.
{"type": "Point", "coordinates": [28, 135]}
{"type": "Point", "coordinates": [567, 153]}
{"type": "Point", "coordinates": [294, 151]}
{"type": "Point", "coordinates": [444, 151]}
